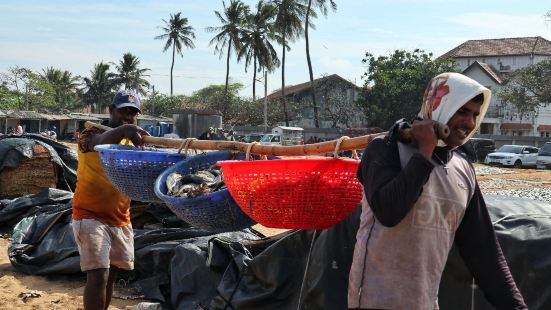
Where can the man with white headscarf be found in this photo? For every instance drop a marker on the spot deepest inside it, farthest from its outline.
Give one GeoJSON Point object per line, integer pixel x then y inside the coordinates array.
{"type": "Point", "coordinates": [419, 199]}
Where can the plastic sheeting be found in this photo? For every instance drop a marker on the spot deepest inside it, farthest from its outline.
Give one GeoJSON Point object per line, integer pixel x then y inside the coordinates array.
{"type": "Point", "coordinates": [14, 147]}
{"type": "Point", "coordinates": [186, 268]}
{"type": "Point", "coordinates": [523, 227]}
{"type": "Point", "coordinates": [12, 211]}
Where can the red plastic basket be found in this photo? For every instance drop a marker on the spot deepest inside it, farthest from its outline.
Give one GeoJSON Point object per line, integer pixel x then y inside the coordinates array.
{"type": "Point", "coordinates": [294, 193]}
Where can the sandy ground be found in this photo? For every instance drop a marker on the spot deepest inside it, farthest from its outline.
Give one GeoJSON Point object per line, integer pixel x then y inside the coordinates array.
{"type": "Point", "coordinates": [57, 292]}
{"type": "Point", "coordinates": [64, 292]}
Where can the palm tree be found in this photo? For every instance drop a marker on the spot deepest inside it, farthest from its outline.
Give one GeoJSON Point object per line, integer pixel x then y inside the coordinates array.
{"type": "Point", "coordinates": [322, 6]}
{"type": "Point", "coordinates": [177, 32]}
{"type": "Point", "coordinates": [288, 24]}
{"type": "Point", "coordinates": [130, 74]}
{"type": "Point", "coordinates": [65, 86]}
{"type": "Point", "coordinates": [229, 32]}
{"type": "Point", "coordinates": [255, 42]}
{"type": "Point", "coordinates": [98, 88]}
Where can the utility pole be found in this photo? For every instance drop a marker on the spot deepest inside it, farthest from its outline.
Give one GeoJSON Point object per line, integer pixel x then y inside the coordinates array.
{"type": "Point", "coordinates": [153, 101]}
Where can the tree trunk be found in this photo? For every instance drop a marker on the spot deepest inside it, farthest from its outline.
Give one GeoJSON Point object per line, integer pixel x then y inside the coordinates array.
{"type": "Point", "coordinates": [172, 67]}
{"type": "Point", "coordinates": [27, 96]}
{"type": "Point", "coordinates": [153, 101]}
{"type": "Point", "coordinates": [226, 98]}
{"type": "Point", "coordinates": [227, 70]}
{"type": "Point", "coordinates": [316, 121]}
{"type": "Point", "coordinates": [283, 82]}
{"type": "Point", "coordinates": [254, 79]}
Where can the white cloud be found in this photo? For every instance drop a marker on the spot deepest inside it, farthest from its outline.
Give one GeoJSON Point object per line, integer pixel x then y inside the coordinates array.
{"type": "Point", "coordinates": [495, 25]}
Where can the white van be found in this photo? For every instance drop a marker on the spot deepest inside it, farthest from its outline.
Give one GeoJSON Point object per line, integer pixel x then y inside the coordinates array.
{"type": "Point", "coordinates": [282, 135]}
{"type": "Point", "coordinates": [544, 157]}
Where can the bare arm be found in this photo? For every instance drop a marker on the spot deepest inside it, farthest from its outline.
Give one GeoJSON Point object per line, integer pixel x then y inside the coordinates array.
{"type": "Point", "coordinates": [128, 131]}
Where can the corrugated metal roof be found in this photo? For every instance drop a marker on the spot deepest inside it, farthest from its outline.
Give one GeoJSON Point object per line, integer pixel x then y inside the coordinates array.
{"type": "Point", "coordinates": [57, 117]}
{"type": "Point", "coordinates": [83, 117]}
{"type": "Point", "coordinates": [100, 116]}
{"type": "Point", "coordinates": [502, 47]}
{"type": "Point", "coordinates": [26, 115]}
{"type": "Point", "coordinates": [154, 118]}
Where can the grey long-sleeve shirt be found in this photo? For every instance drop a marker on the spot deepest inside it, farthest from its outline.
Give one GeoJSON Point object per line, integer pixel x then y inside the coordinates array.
{"type": "Point", "coordinates": [383, 177]}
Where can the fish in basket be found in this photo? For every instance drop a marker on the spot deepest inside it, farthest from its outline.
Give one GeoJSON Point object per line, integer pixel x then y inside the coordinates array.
{"type": "Point", "coordinates": [214, 209]}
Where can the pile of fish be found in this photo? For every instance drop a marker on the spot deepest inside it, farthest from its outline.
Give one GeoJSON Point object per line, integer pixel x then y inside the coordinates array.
{"type": "Point", "coordinates": [196, 184]}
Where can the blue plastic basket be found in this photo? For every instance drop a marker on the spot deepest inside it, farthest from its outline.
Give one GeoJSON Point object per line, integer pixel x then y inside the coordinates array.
{"type": "Point", "coordinates": [217, 211]}
{"type": "Point", "coordinates": [133, 171]}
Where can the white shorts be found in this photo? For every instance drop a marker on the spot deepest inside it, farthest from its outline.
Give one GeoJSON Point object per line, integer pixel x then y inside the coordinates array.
{"type": "Point", "coordinates": [100, 245]}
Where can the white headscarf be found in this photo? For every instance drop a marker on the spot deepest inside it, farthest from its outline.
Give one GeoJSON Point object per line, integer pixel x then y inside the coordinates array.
{"type": "Point", "coordinates": [447, 93]}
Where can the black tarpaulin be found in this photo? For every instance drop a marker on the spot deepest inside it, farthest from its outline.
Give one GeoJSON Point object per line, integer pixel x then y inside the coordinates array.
{"type": "Point", "coordinates": [191, 269]}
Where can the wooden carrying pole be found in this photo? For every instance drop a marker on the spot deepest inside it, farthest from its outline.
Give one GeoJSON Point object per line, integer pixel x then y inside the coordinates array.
{"type": "Point", "coordinates": [275, 150]}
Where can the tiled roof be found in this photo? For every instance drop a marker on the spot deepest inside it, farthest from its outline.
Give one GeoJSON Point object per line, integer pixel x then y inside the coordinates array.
{"type": "Point", "coordinates": [544, 128]}
{"type": "Point", "coordinates": [304, 86]}
{"type": "Point", "coordinates": [489, 69]}
{"type": "Point", "coordinates": [502, 47]}
{"type": "Point", "coordinates": [516, 126]}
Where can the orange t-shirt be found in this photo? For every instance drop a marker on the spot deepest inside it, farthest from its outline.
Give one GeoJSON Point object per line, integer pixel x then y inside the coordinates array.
{"type": "Point", "coordinates": [95, 197]}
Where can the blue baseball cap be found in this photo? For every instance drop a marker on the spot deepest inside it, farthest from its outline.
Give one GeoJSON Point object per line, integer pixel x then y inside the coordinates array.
{"type": "Point", "coordinates": [126, 98]}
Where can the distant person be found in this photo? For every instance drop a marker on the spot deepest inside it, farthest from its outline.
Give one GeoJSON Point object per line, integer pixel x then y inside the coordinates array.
{"type": "Point", "coordinates": [76, 135]}
{"type": "Point", "coordinates": [18, 129]}
{"type": "Point", "coordinates": [310, 141]}
{"type": "Point", "coordinates": [101, 214]}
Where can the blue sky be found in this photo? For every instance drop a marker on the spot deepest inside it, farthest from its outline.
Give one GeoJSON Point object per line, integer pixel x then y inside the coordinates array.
{"type": "Point", "coordinates": [75, 35]}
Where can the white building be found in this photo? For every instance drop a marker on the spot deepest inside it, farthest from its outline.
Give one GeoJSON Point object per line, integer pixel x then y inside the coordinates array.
{"type": "Point", "coordinates": [489, 62]}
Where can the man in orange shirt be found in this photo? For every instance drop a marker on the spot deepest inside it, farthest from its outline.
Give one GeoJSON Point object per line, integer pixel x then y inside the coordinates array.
{"type": "Point", "coordinates": [101, 214]}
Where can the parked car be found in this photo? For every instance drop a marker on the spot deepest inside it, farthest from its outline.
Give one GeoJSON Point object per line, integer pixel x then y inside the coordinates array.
{"type": "Point", "coordinates": [252, 137]}
{"type": "Point", "coordinates": [514, 155]}
{"type": "Point", "coordinates": [476, 149]}
{"type": "Point", "coordinates": [285, 136]}
{"type": "Point", "coordinates": [239, 137]}
{"type": "Point", "coordinates": [544, 157]}
{"type": "Point", "coordinates": [271, 138]}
